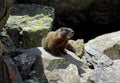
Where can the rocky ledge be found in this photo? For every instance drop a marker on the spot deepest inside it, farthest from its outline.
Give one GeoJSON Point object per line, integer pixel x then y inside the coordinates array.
{"type": "Point", "coordinates": [24, 61]}
{"type": "Point", "coordinates": [94, 66]}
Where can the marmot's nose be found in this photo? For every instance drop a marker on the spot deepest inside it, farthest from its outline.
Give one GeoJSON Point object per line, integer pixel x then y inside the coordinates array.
{"type": "Point", "coordinates": [72, 32]}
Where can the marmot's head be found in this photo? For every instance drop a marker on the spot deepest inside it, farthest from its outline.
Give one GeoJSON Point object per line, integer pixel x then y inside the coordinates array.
{"type": "Point", "coordinates": [65, 32]}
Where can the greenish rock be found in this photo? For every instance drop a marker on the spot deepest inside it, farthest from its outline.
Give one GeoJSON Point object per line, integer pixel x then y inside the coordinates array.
{"type": "Point", "coordinates": [29, 23]}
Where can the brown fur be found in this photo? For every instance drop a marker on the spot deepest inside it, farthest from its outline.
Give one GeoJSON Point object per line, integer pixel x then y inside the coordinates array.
{"type": "Point", "coordinates": [57, 41]}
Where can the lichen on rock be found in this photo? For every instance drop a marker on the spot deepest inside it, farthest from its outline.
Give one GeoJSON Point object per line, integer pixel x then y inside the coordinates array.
{"type": "Point", "coordinates": [31, 22]}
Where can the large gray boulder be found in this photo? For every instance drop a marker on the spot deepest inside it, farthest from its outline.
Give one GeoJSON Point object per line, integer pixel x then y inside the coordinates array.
{"type": "Point", "coordinates": [30, 65]}
{"type": "Point", "coordinates": [96, 58]}
{"type": "Point", "coordinates": [5, 10]}
{"type": "Point", "coordinates": [99, 52]}
{"type": "Point", "coordinates": [106, 74]}
{"type": "Point", "coordinates": [29, 23]}
{"type": "Point", "coordinates": [107, 44]}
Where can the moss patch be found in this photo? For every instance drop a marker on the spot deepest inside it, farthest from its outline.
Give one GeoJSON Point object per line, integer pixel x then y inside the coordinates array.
{"type": "Point", "coordinates": [32, 23]}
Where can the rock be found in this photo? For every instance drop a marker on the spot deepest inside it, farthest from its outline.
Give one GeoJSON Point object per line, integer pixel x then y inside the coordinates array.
{"type": "Point", "coordinates": [24, 63]}
{"type": "Point", "coordinates": [29, 81]}
{"type": "Point", "coordinates": [61, 6]}
{"type": "Point", "coordinates": [85, 76]}
{"type": "Point", "coordinates": [106, 74]}
{"type": "Point", "coordinates": [4, 75]}
{"type": "Point", "coordinates": [114, 51]}
{"type": "Point", "coordinates": [5, 10]}
{"type": "Point", "coordinates": [1, 48]}
{"type": "Point", "coordinates": [95, 57]}
{"type": "Point", "coordinates": [29, 23]}
{"type": "Point", "coordinates": [64, 66]}
{"type": "Point", "coordinates": [107, 44]}
{"type": "Point", "coordinates": [77, 11]}
{"type": "Point", "coordinates": [10, 71]}
{"type": "Point", "coordinates": [8, 45]}
{"type": "Point", "coordinates": [86, 73]}
{"type": "Point", "coordinates": [59, 68]}
{"type": "Point", "coordinates": [30, 65]}
{"type": "Point", "coordinates": [78, 45]}
{"type": "Point", "coordinates": [65, 8]}
{"type": "Point", "coordinates": [67, 75]}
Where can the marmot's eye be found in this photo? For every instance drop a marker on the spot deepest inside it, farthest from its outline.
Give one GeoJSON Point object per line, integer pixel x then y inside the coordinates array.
{"type": "Point", "coordinates": [66, 30]}
{"type": "Point", "coordinates": [62, 29]}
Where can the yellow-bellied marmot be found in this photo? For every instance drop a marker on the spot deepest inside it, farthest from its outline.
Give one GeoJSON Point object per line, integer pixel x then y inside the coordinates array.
{"type": "Point", "coordinates": [56, 41]}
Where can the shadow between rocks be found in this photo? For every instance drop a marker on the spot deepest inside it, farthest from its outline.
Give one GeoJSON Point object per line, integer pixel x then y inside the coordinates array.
{"type": "Point", "coordinates": [63, 62]}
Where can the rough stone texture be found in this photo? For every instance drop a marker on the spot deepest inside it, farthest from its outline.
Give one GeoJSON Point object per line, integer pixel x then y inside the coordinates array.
{"type": "Point", "coordinates": [29, 23]}
{"type": "Point", "coordinates": [114, 51]}
{"type": "Point", "coordinates": [24, 63]}
{"type": "Point", "coordinates": [61, 65]}
{"type": "Point", "coordinates": [78, 46]}
{"type": "Point", "coordinates": [106, 74]}
{"type": "Point", "coordinates": [107, 44]}
{"type": "Point", "coordinates": [8, 45]}
{"type": "Point", "coordinates": [30, 65]}
{"type": "Point", "coordinates": [84, 76]}
{"type": "Point", "coordinates": [9, 73]}
{"type": "Point", "coordinates": [5, 10]}
{"type": "Point", "coordinates": [68, 75]}
{"type": "Point", "coordinates": [58, 67]}
{"type": "Point", "coordinates": [95, 57]}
